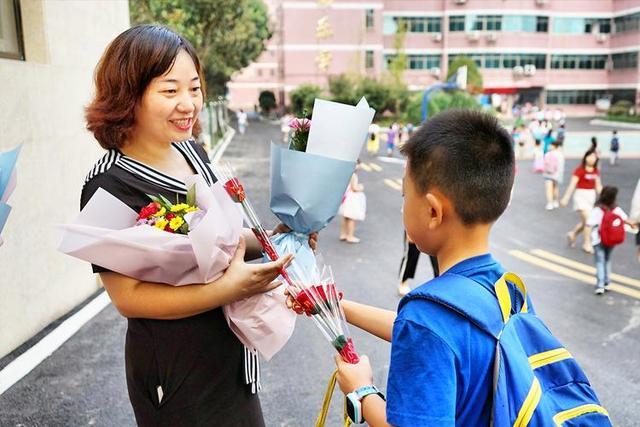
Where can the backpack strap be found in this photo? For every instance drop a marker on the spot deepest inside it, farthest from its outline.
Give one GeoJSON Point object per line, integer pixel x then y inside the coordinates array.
{"type": "Point", "coordinates": [488, 311]}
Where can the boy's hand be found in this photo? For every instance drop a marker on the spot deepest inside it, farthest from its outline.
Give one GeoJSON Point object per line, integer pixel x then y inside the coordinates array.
{"type": "Point", "coordinates": [564, 203]}
{"type": "Point", "coordinates": [351, 377]}
{"type": "Point", "coordinates": [281, 228]}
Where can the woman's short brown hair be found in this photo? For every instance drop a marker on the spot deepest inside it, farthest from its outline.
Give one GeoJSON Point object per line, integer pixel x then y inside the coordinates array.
{"type": "Point", "coordinates": [131, 61]}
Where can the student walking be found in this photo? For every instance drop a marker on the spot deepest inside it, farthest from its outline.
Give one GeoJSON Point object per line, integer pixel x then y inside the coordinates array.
{"type": "Point", "coordinates": [585, 185]}
{"type": "Point", "coordinates": [606, 225]}
{"type": "Point", "coordinates": [373, 142]}
{"type": "Point", "coordinates": [242, 121]}
{"type": "Point", "coordinates": [614, 149]}
{"type": "Point", "coordinates": [553, 173]}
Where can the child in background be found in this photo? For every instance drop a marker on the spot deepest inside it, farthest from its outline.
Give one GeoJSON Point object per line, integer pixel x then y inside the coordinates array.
{"type": "Point", "coordinates": [538, 158]}
{"type": "Point", "coordinates": [553, 173]}
{"type": "Point", "coordinates": [585, 186]}
{"type": "Point", "coordinates": [614, 149]}
{"type": "Point", "coordinates": [392, 133]}
{"type": "Point", "coordinates": [606, 225]}
{"type": "Point", "coordinates": [373, 142]}
{"type": "Point", "coordinates": [352, 209]}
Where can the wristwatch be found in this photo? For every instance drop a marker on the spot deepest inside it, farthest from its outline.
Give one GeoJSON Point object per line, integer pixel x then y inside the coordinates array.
{"type": "Point", "coordinates": [354, 402]}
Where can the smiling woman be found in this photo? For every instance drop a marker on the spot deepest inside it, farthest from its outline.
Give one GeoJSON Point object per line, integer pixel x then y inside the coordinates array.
{"type": "Point", "coordinates": [184, 366]}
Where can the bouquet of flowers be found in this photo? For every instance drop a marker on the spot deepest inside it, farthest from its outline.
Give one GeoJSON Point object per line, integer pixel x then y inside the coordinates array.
{"type": "Point", "coordinates": [309, 178]}
{"type": "Point", "coordinates": [178, 244]}
{"type": "Point", "coordinates": [321, 302]}
{"type": "Point", "coordinates": [312, 286]}
{"type": "Point", "coordinates": [8, 181]}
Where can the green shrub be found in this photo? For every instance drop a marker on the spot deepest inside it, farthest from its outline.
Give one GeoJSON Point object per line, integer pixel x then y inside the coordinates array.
{"type": "Point", "coordinates": [267, 101]}
{"type": "Point", "coordinates": [620, 108]}
{"type": "Point", "coordinates": [302, 99]}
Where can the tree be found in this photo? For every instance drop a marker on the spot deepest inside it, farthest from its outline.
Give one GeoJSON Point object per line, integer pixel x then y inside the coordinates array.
{"type": "Point", "coordinates": [267, 101]}
{"type": "Point", "coordinates": [341, 88]}
{"type": "Point", "coordinates": [302, 99]}
{"type": "Point", "coordinates": [227, 34]}
{"type": "Point", "coordinates": [398, 63]}
{"type": "Point", "coordinates": [474, 78]}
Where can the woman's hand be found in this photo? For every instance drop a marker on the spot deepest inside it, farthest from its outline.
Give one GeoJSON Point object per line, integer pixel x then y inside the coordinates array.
{"type": "Point", "coordinates": [353, 376]}
{"type": "Point", "coordinates": [564, 202]}
{"type": "Point", "coordinates": [250, 279]}
{"type": "Point", "coordinates": [281, 228]}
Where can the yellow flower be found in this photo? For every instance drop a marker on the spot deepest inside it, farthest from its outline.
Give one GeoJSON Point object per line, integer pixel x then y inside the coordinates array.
{"type": "Point", "coordinates": [161, 223]}
{"type": "Point", "coordinates": [191, 209]}
{"type": "Point", "coordinates": [176, 223]}
{"type": "Point", "coordinates": [160, 213]}
{"type": "Point", "coordinates": [179, 207]}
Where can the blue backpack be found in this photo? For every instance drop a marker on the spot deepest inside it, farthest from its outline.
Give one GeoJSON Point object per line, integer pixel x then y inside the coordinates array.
{"type": "Point", "coordinates": [536, 381]}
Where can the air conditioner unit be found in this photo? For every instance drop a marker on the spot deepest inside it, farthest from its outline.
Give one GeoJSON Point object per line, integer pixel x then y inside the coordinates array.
{"type": "Point", "coordinates": [473, 36]}
{"type": "Point", "coordinates": [602, 37]}
{"type": "Point", "coordinates": [492, 37]}
{"type": "Point", "coordinates": [609, 64]}
{"type": "Point", "coordinates": [529, 70]}
{"type": "Point", "coordinates": [518, 70]}
{"type": "Point", "coordinates": [437, 37]}
{"type": "Point", "coordinates": [460, 1]}
{"type": "Point", "coordinates": [435, 72]}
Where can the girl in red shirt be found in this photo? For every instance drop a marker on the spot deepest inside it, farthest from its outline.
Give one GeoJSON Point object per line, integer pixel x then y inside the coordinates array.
{"type": "Point", "coordinates": [585, 185]}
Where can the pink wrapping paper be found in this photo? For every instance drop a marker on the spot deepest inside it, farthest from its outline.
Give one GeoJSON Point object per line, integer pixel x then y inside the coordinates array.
{"type": "Point", "coordinates": [105, 234]}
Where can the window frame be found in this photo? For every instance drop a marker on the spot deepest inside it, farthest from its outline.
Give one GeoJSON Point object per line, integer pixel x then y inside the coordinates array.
{"type": "Point", "coordinates": [20, 56]}
{"type": "Point", "coordinates": [369, 19]}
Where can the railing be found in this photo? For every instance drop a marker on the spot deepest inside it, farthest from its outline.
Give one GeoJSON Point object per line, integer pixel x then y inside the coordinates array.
{"type": "Point", "coordinates": [215, 123]}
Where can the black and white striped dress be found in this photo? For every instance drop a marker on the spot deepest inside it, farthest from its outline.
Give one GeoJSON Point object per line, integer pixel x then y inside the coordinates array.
{"type": "Point", "coordinates": [206, 375]}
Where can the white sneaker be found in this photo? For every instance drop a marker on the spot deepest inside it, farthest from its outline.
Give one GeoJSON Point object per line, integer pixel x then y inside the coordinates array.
{"type": "Point", "coordinates": [556, 204]}
{"type": "Point", "coordinates": [549, 206]}
{"type": "Point", "coordinates": [599, 291]}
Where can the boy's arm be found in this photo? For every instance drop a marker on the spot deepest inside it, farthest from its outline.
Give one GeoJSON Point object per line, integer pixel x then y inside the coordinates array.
{"type": "Point", "coordinates": [376, 321]}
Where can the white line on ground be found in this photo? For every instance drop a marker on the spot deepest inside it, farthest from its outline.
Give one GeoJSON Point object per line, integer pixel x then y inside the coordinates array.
{"type": "Point", "coordinates": [27, 361]}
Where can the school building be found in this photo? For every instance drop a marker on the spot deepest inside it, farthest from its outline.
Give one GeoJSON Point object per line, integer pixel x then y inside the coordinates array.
{"type": "Point", "coordinates": [564, 54]}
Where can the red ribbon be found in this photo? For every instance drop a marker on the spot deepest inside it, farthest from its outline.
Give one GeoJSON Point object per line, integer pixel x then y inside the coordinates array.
{"type": "Point", "coordinates": [235, 190]}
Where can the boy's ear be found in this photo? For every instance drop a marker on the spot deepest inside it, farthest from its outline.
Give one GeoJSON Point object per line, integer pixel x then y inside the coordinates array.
{"type": "Point", "coordinates": [435, 206]}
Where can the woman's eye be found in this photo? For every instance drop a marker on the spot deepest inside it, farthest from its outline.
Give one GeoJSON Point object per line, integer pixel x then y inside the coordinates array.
{"type": "Point", "coordinates": [171, 91]}
{"type": "Point", "coordinates": [196, 89]}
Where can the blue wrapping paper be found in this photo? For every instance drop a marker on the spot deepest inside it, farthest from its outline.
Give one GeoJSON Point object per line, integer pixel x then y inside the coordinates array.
{"type": "Point", "coordinates": [306, 192]}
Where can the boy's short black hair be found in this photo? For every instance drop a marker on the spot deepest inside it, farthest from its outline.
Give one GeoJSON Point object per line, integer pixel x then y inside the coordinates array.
{"type": "Point", "coordinates": [468, 156]}
{"type": "Point", "coordinates": [608, 197]}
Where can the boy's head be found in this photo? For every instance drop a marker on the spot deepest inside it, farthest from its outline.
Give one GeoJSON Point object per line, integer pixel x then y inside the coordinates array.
{"type": "Point", "coordinates": [460, 170]}
{"type": "Point", "coordinates": [615, 132]}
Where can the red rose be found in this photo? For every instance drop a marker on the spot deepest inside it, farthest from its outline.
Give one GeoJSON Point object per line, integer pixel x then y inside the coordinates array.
{"type": "Point", "coordinates": [348, 352]}
{"type": "Point", "coordinates": [167, 228]}
{"type": "Point", "coordinates": [149, 210]}
{"type": "Point", "coordinates": [170, 216]}
{"type": "Point", "coordinates": [235, 190]}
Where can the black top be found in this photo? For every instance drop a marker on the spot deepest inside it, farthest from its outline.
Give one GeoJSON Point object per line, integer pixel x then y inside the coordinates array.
{"type": "Point", "coordinates": [197, 361]}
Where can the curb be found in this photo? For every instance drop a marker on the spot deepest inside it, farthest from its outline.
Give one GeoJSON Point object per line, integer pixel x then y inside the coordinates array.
{"type": "Point", "coordinates": [219, 150]}
{"type": "Point", "coordinates": [600, 122]}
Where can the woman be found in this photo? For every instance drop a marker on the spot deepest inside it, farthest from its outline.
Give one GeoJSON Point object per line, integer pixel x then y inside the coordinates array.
{"type": "Point", "coordinates": [585, 185]}
{"type": "Point", "coordinates": [184, 366]}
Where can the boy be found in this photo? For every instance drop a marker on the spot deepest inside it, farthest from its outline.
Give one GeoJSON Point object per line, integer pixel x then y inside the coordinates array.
{"type": "Point", "coordinates": [458, 179]}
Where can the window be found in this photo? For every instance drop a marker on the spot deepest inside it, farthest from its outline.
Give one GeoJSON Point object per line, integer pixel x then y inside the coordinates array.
{"type": "Point", "coordinates": [627, 23]}
{"type": "Point", "coordinates": [624, 60]}
{"type": "Point", "coordinates": [588, 96]}
{"type": "Point", "coordinates": [456, 23]}
{"type": "Point", "coordinates": [418, 62]}
{"type": "Point", "coordinates": [542, 24]}
{"type": "Point", "coordinates": [485, 22]}
{"type": "Point", "coordinates": [368, 59]}
{"type": "Point", "coordinates": [581, 25]}
{"type": "Point", "coordinates": [10, 30]}
{"type": "Point", "coordinates": [419, 24]}
{"type": "Point", "coordinates": [369, 19]}
{"type": "Point", "coordinates": [505, 60]}
{"type": "Point", "coordinates": [582, 62]}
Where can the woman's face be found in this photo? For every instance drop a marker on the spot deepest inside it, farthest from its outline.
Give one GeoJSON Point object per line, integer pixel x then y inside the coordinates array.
{"type": "Point", "coordinates": [590, 160]}
{"type": "Point", "coordinates": [170, 104]}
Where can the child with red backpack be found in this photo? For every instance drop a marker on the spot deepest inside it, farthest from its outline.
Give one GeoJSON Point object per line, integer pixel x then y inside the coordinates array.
{"type": "Point", "coordinates": [607, 221]}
